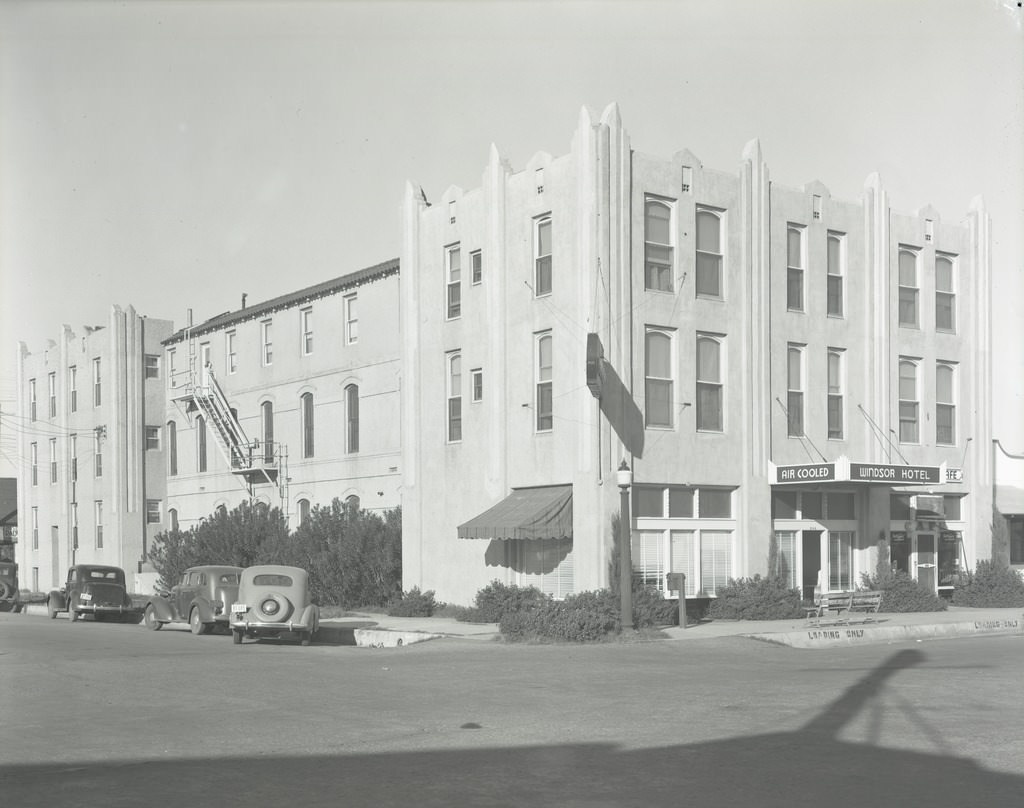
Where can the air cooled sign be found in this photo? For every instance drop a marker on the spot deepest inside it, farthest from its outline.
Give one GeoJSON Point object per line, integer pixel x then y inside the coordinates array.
{"type": "Point", "coordinates": [813, 472]}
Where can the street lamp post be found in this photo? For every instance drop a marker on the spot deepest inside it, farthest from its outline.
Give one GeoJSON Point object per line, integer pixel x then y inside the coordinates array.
{"type": "Point", "coordinates": [624, 478]}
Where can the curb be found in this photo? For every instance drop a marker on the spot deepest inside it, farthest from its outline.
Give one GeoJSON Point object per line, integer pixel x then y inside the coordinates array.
{"type": "Point", "coordinates": [814, 637]}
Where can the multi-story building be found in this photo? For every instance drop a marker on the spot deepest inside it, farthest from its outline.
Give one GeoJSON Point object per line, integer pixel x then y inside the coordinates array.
{"type": "Point", "coordinates": [785, 373]}
{"type": "Point", "coordinates": [90, 416]}
{"type": "Point", "coordinates": [292, 402]}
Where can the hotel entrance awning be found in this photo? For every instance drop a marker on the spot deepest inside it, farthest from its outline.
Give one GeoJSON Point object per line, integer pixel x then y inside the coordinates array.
{"type": "Point", "coordinates": [527, 513]}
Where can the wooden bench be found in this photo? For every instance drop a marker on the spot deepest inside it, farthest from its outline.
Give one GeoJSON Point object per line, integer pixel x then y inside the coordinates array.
{"type": "Point", "coordinates": [864, 602]}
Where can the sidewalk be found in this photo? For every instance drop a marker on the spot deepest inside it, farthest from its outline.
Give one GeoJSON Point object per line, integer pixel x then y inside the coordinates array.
{"type": "Point", "coordinates": [958, 621]}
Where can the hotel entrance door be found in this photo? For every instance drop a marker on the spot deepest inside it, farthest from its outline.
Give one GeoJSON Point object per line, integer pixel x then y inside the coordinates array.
{"type": "Point", "coordinates": [925, 563]}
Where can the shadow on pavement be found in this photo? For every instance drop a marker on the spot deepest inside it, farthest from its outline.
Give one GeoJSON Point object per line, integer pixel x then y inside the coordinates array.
{"type": "Point", "coordinates": [808, 767]}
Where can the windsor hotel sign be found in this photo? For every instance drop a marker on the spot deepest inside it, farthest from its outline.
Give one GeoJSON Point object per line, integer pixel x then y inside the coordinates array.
{"type": "Point", "coordinates": [842, 470]}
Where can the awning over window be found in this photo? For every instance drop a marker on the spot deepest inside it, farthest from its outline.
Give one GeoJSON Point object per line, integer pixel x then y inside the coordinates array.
{"type": "Point", "coordinates": [1009, 499]}
{"type": "Point", "coordinates": [526, 513]}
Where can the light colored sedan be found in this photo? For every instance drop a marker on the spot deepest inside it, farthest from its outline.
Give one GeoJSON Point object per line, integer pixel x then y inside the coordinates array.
{"type": "Point", "coordinates": [273, 601]}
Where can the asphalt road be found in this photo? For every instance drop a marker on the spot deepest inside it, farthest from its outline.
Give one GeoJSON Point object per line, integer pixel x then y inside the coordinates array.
{"type": "Point", "coordinates": [110, 715]}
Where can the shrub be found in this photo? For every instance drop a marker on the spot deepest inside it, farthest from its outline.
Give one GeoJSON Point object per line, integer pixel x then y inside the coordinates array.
{"type": "Point", "coordinates": [650, 608]}
{"type": "Point", "coordinates": [756, 598]}
{"type": "Point", "coordinates": [496, 600]}
{"type": "Point", "coordinates": [901, 593]}
{"type": "Point", "coordinates": [413, 604]}
{"type": "Point", "coordinates": [991, 584]}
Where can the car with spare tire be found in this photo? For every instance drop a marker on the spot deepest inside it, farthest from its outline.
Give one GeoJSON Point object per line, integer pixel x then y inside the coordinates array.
{"type": "Point", "coordinates": [274, 601]}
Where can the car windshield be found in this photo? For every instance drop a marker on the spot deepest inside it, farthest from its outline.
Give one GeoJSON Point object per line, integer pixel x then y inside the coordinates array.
{"type": "Point", "coordinates": [229, 578]}
{"type": "Point", "coordinates": [275, 579]}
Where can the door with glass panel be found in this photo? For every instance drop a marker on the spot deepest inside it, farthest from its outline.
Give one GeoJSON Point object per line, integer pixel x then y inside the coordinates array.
{"type": "Point", "coordinates": [925, 561]}
{"type": "Point", "coordinates": [840, 561]}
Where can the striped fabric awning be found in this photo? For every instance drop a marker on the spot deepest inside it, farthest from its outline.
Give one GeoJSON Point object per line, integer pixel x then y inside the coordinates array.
{"type": "Point", "coordinates": [544, 512]}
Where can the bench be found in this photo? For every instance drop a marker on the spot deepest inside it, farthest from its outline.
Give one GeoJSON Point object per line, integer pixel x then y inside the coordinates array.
{"type": "Point", "coordinates": [864, 602]}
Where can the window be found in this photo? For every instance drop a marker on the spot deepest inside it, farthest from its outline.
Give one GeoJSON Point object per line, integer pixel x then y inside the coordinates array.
{"type": "Point", "coordinates": [658, 258]}
{"type": "Point", "coordinates": [200, 443]}
{"type": "Point", "coordinates": [709, 383]}
{"type": "Point", "coordinates": [841, 505]}
{"type": "Point", "coordinates": [352, 418]}
{"type": "Point", "coordinates": [172, 371]}
{"type": "Point", "coordinates": [687, 179]}
{"type": "Point", "coordinates": [172, 448]}
{"type": "Point", "coordinates": [835, 393]}
{"type": "Point", "coordinates": [152, 438]}
{"type": "Point", "coordinates": [908, 288]}
{"type": "Point", "coordinates": [542, 256]}
{"type": "Point", "coordinates": [352, 504]}
{"type": "Point", "coordinates": [306, 325]}
{"type": "Point", "coordinates": [840, 560]}
{"type": "Point", "coordinates": [945, 297]}
{"type": "Point", "coordinates": [544, 563]}
{"type": "Point", "coordinates": [945, 405]}
{"type": "Point", "coordinates": [908, 404]}
{"type": "Point", "coordinates": [1016, 528]}
{"type": "Point", "coordinates": [73, 445]}
{"type": "Point", "coordinates": [303, 508]}
{"type": "Point", "coordinates": [899, 507]}
{"type": "Point", "coordinates": [151, 366]}
{"type": "Point", "coordinates": [35, 527]}
{"type": "Point", "coordinates": [266, 339]}
{"type": "Point", "coordinates": [153, 509]}
{"type": "Point", "coordinates": [647, 552]}
{"type": "Point", "coordinates": [74, 524]}
{"type": "Point", "coordinates": [834, 303]}
{"type": "Point", "coordinates": [715, 560]}
{"type": "Point", "coordinates": [73, 387]}
{"type": "Point", "coordinates": [32, 399]}
{"type": "Point", "coordinates": [51, 386]}
{"type": "Point", "coordinates": [267, 417]}
{"type": "Point", "coordinates": [476, 381]}
{"type": "Point", "coordinates": [787, 557]}
{"type": "Point", "coordinates": [53, 460]}
{"type": "Point", "coordinates": [351, 321]}
{"type": "Point", "coordinates": [172, 519]}
{"type": "Point", "coordinates": [683, 502]}
{"type": "Point", "coordinates": [476, 266]}
{"type": "Point", "coordinates": [33, 456]}
{"type": "Point", "coordinates": [454, 393]}
{"type": "Point", "coordinates": [306, 407]}
{"type": "Point", "coordinates": [795, 251]}
{"type": "Point", "coordinates": [658, 389]}
{"type": "Point", "coordinates": [97, 452]}
{"type": "Point", "coordinates": [97, 509]}
{"type": "Point", "coordinates": [709, 254]}
{"type": "Point", "coordinates": [231, 352]}
{"type": "Point", "coordinates": [97, 388]}
{"type": "Point", "coordinates": [795, 388]}
{"type": "Point", "coordinates": [544, 402]}
{"type": "Point", "coordinates": [453, 269]}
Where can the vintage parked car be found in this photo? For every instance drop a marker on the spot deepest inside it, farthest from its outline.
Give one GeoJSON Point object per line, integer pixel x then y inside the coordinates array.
{"type": "Point", "coordinates": [10, 597]}
{"type": "Point", "coordinates": [202, 598]}
{"type": "Point", "coordinates": [92, 589]}
{"type": "Point", "coordinates": [273, 600]}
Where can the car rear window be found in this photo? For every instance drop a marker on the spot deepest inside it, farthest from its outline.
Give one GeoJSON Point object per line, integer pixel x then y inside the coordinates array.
{"type": "Point", "coordinates": [102, 575]}
{"type": "Point", "coordinates": [272, 580]}
{"type": "Point", "coordinates": [229, 578]}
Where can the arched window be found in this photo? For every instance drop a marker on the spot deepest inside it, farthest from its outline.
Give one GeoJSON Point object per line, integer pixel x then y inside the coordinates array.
{"type": "Point", "coordinates": [658, 246]}
{"type": "Point", "coordinates": [267, 409]}
{"type": "Point", "coordinates": [303, 508]}
{"type": "Point", "coordinates": [200, 443]}
{"type": "Point", "coordinates": [172, 519]}
{"type": "Point", "coordinates": [908, 288]}
{"type": "Point", "coordinates": [709, 254]}
{"type": "Point", "coordinates": [709, 383]}
{"type": "Point", "coordinates": [945, 405]}
{"type": "Point", "coordinates": [544, 401]}
{"type": "Point", "coordinates": [352, 418]}
{"type": "Point", "coordinates": [542, 256]}
{"type": "Point", "coordinates": [658, 393]}
{"type": "Point", "coordinates": [352, 505]}
{"type": "Point", "coordinates": [908, 402]}
{"type": "Point", "coordinates": [172, 448]}
{"type": "Point", "coordinates": [307, 424]}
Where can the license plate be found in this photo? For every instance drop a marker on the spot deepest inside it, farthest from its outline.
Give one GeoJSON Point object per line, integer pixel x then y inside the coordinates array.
{"type": "Point", "coordinates": [239, 607]}
{"type": "Point", "coordinates": [86, 597]}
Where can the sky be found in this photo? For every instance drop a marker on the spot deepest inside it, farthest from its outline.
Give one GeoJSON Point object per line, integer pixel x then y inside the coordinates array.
{"type": "Point", "coordinates": [173, 155]}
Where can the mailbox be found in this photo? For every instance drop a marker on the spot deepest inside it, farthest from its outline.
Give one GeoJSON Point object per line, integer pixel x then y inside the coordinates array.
{"type": "Point", "coordinates": [676, 581]}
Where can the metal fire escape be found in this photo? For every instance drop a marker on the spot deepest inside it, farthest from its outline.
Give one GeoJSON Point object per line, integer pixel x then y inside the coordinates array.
{"type": "Point", "coordinates": [254, 461]}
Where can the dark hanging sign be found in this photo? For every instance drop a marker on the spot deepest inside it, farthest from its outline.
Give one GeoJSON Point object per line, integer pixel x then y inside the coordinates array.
{"type": "Point", "coordinates": [898, 537]}
{"type": "Point", "coordinates": [595, 356]}
{"type": "Point", "coordinates": [949, 536]}
{"type": "Point", "coordinates": [806, 473]}
{"type": "Point", "coordinates": [899, 475]}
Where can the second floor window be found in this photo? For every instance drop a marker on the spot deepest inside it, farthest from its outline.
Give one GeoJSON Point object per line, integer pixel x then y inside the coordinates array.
{"type": "Point", "coordinates": [33, 459]}
{"type": "Point", "coordinates": [51, 385]}
{"type": "Point", "coordinates": [32, 399]}
{"type": "Point", "coordinates": [908, 288]}
{"type": "Point", "coordinates": [306, 317]}
{"type": "Point", "coordinates": [352, 418]}
{"type": "Point", "coordinates": [795, 388]}
{"type": "Point", "coordinates": [476, 378]}
{"type": "Point", "coordinates": [307, 424]}
{"type": "Point", "coordinates": [153, 515]}
{"type": "Point", "coordinates": [152, 366]}
{"type": "Point", "coordinates": [658, 256]}
{"type": "Point", "coordinates": [658, 386]}
{"type": "Point", "coordinates": [73, 388]}
{"type": "Point", "coordinates": [453, 271]}
{"type": "Point", "coordinates": [544, 400]}
{"type": "Point", "coordinates": [200, 443]}
{"type": "Point", "coordinates": [709, 383]}
{"type": "Point", "coordinates": [908, 403]}
{"type": "Point", "coordinates": [97, 386]}
{"type": "Point", "coordinates": [97, 507]}
{"type": "Point", "coordinates": [542, 256]}
{"type": "Point", "coordinates": [172, 448]}
{"type": "Point", "coordinates": [267, 413]}
{"type": "Point", "coordinates": [152, 438]}
{"type": "Point", "coordinates": [835, 394]}
{"type": "Point", "coordinates": [945, 405]}
{"type": "Point", "coordinates": [836, 246]}
{"type": "Point", "coordinates": [53, 460]}
{"type": "Point", "coordinates": [267, 341]}
{"type": "Point", "coordinates": [795, 268]}
{"type": "Point", "coordinates": [476, 266]}
{"type": "Point", "coordinates": [97, 451]}
{"type": "Point", "coordinates": [709, 254]}
{"type": "Point", "coordinates": [454, 397]}
{"type": "Point", "coordinates": [945, 296]}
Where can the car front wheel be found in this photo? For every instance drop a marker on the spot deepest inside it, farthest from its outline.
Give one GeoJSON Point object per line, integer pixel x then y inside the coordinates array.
{"type": "Point", "coordinates": [149, 619]}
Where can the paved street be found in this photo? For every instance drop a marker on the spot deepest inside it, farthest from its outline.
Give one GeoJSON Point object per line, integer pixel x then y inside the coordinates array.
{"type": "Point", "coordinates": [112, 715]}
